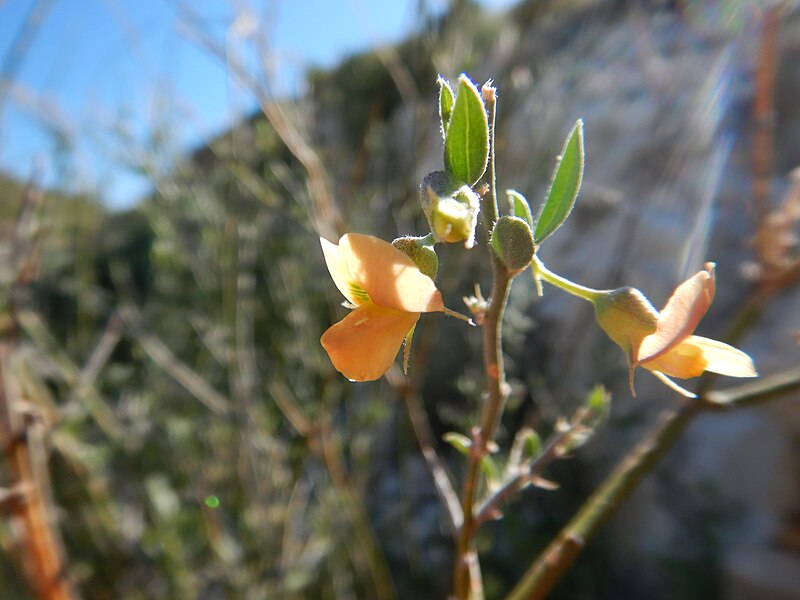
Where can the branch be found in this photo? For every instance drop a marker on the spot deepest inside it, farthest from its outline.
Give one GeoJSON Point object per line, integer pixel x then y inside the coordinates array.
{"type": "Point", "coordinates": [21, 437]}
{"type": "Point", "coordinates": [465, 559]}
{"type": "Point", "coordinates": [551, 565]}
{"type": "Point", "coordinates": [490, 508]}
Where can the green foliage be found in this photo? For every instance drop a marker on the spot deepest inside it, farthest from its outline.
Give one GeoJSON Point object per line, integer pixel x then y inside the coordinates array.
{"type": "Point", "coordinates": [458, 441]}
{"type": "Point", "coordinates": [466, 143]}
{"type": "Point", "coordinates": [564, 185]}
{"type": "Point", "coordinates": [520, 207]}
{"type": "Point", "coordinates": [446, 101]}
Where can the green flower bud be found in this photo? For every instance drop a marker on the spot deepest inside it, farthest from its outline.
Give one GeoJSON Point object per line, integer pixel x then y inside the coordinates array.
{"type": "Point", "coordinates": [423, 254]}
{"type": "Point", "coordinates": [451, 208]}
{"type": "Point", "coordinates": [512, 241]}
{"type": "Point", "coordinates": [627, 317]}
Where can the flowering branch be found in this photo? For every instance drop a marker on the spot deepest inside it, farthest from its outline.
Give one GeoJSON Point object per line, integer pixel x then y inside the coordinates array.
{"type": "Point", "coordinates": [554, 561]}
{"type": "Point", "coordinates": [493, 367]}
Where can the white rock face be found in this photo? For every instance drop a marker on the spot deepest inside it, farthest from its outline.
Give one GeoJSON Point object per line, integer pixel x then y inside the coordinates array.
{"type": "Point", "coordinates": [666, 100]}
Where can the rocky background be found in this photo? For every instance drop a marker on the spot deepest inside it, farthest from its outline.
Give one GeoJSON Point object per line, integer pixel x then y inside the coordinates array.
{"type": "Point", "coordinates": [210, 297]}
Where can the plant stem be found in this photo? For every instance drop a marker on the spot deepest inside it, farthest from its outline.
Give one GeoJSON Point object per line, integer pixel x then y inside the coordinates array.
{"type": "Point", "coordinates": [551, 565]}
{"type": "Point", "coordinates": [490, 508]}
{"type": "Point", "coordinates": [539, 270]}
{"type": "Point", "coordinates": [465, 558]}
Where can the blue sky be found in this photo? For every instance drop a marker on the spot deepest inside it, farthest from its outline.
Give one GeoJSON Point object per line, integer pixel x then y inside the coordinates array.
{"type": "Point", "coordinates": [92, 67]}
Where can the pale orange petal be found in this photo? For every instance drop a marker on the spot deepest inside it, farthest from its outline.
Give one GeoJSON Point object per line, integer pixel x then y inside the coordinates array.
{"type": "Point", "coordinates": [363, 345]}
{"type": "Point", "coordinates": [683, 311]}
{"type": "Point", "coordinates": [338, 270]}
{"type": "Point", "coordinates": [389, 277]}
{"type": "Point", "coordinates": [684, 361]}
{"type": "Point", "coordinates": [722, 358]}
{"type": "Point", "coordinates": [673, 386]}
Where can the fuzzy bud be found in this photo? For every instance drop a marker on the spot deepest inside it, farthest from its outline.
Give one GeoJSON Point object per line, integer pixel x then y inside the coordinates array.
{"type": "Point", "coordinates": [423, 255]}
{"type": "Point", "coordinates": [627, 317]}
{"type": "Point", "coordinates": [512, 241]}
{"type": "Point", "coordinates": [451, 208]}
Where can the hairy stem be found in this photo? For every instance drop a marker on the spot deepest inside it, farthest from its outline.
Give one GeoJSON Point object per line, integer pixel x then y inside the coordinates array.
{"type": "Point", "coordinates": [539, 270]}
{"type": "Point", "coordinates": [465, 559]}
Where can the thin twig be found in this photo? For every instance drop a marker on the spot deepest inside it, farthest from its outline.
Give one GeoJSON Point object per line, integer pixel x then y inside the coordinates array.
{"type": "Point", "coordinates": [490, 508]}
{"type": "Point", "coordinates": [425, 439]}
{"type": "Point", "coordinates": [764, 109]}
{"type": "Point", "coordinates": [323, 443]}
{"type": "Point", "coordinates": [164, 358]}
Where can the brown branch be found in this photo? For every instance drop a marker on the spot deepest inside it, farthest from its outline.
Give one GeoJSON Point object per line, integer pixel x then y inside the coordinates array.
{"type": "Point", "coordinates": [764, 109]}
{"type": "Point", "coordinates": [22, 438]}
{"type": "Point", "coordinates": [526, 474]}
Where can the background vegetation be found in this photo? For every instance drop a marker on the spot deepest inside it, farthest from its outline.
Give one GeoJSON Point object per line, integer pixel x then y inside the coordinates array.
{"type": "Point", "coordinates": [201, 445]}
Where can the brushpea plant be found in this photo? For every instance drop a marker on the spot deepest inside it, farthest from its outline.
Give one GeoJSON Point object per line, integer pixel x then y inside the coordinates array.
{"type": "Point", "coordinates": [388, 286]}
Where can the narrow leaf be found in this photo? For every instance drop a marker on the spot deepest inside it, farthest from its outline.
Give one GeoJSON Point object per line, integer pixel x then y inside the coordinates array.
{"type": "Point", "coordinates": [564, 185]}
{"type": "Point", "coordinates": [446, 101]}
{"type": "Point", "coordinates": [587, 419]}
{"type": "Point", "coordinates": [466, 143]}
{"type": "Point", "coordinates": [490, 470]}
{"type": "Point", "coordinates": [458, 441]}
{"type": "Point", "coordinates": [520, 207]}
{"type": "Point", "coordinates": [533, 443]}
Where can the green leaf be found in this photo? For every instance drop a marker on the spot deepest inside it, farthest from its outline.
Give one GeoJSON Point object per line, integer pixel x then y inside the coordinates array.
{"type": "Point", "coordinates": [466, 143]}
{"type": "Point", "coordinates": [527, 445]}
{"type": "Point", "coordinates": [490, 470]}
{"type": "Point", "coordinates": [564, 185]}
{"type": "Point", "coordinates": [587, 419]}
{"type": "Point", "coordinates": [446, 101]}
{"type": "Point", "coordinates": [458, 441]}
{"type": "Point", "coordinates": [520, 206]}
{"type": "Point", "coordinates": [533, 443]}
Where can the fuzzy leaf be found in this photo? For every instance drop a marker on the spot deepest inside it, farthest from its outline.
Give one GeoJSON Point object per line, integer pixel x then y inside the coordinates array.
{"type": "Point", "coordinates": [520, 206]}
{"type": "Point", "coordinates": [458, 441]}
{"type": "Point", "coordinates": [446, 102]}
{"type": "Point", "coordinates": [466, 143]}
{"type": "Point", "coordinates": [564, 185]}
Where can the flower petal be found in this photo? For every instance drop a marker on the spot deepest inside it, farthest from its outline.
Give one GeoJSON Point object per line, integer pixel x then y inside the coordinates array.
{"type": "Point", "coordinates": [722, 358]}
{"type": "Point", "coordinates": [363, 345]}
{"type": "Point", "coordinates": [338, 270]}
{"type": "Point", "coordinates": [683, 311]}
{"type": "Point", "coordinates": [674, 386]}
{"type": "Point", "coordinates": [684, 361]}
{"type": "Point", "coordinates": [389, 277]}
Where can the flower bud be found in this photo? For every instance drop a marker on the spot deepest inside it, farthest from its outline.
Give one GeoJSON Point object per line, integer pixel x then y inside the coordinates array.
{"type": "Point", "coordinates": [423, 255]}
{"type": "Point", "coordinates": [451, 208]}
{"type": "Point", "coordinates": [512, 241]}
{"type": "Point", "coordinates": [627, 317]}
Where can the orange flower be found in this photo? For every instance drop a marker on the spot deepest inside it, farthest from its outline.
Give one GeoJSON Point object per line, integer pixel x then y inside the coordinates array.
{"type": "Point", "coordinates": [663, 342]}
{"type": "Point", "coordinates": [387, 292]}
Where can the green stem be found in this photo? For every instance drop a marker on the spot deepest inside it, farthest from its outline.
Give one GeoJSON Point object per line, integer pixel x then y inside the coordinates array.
{"type": "Point", "coordinates": [562, 552]}
{"type": "Point", "coordinates": [466, 559]}
{"type": "Point", "coordinates": [539, 270]}
{"type": "Point", "coordinates": [551, 565]}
